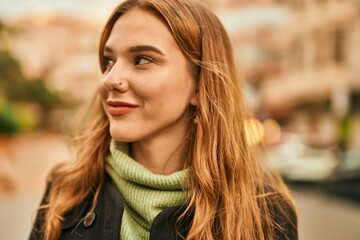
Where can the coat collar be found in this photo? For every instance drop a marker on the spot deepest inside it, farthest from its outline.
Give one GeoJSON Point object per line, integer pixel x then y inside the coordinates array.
{"type": "Point", "coordinates": [108, 218]}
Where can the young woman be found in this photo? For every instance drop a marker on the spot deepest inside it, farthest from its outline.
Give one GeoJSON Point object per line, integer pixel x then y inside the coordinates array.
{"type": "Point", "coordinates": [164, 153]}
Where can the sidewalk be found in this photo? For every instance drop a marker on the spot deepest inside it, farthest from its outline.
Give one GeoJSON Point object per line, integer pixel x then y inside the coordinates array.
{"type": "Point", "coordinates": [28, 158]}
{"type": "Point", "coordinates": [326, 217]}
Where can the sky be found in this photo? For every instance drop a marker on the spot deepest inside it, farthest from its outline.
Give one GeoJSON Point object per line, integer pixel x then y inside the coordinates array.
{"type": "Point", "coordinates": [95, 10]}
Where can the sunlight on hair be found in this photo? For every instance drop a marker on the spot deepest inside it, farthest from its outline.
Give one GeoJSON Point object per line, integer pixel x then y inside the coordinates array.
{"type": "Point", "coordinates": [254, 131]}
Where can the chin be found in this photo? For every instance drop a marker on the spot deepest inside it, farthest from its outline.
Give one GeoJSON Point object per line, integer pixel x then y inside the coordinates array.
{"type": "Point", "coordinates": [121, 136]}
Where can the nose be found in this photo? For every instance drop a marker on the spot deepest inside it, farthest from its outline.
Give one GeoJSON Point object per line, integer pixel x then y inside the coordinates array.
{"type": "Point", "coordinates": [115, 79]}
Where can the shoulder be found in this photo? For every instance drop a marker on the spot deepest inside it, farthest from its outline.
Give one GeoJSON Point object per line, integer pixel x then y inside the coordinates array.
{"type": "Point", "coordinates": [72, 218]}
{"type": "Point", "coordinates": [38, 224]}
{"type": "Point", "coordinates": [284, 216]}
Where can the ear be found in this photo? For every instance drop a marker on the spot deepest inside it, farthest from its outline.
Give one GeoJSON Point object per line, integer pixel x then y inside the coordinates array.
{"type": "Point", "coordinates": [194, 100]}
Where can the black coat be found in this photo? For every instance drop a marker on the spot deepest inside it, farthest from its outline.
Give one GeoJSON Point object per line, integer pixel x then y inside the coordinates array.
{"type": "Point", "coordinates": [105, 222]}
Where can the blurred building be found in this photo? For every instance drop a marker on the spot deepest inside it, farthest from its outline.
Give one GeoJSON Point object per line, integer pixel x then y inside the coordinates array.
{"type": "Point", "coordinates": [300, 61]}
{"type": "Point", "coordinates": [313, 70]}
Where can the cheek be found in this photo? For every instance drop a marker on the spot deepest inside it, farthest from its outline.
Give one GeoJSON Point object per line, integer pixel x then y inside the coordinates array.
{"type": "Point", "coordinates": [103, 92]}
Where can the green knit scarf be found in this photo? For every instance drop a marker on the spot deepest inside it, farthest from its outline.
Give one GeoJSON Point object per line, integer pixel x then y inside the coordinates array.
{"type": "Point", "coordinates": [145, 194]}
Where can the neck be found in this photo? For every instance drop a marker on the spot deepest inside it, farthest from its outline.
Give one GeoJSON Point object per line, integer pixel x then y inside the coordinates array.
{"type": "Point", "coordinates": [161, 155]}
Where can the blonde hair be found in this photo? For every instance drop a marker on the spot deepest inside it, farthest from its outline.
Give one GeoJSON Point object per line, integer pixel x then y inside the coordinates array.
{"type": "Point", "coordinates": [230, 193]}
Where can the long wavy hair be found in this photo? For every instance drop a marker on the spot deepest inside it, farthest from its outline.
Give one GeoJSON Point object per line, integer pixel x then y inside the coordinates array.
{"type": "Point", "coordinates": [230, 191]}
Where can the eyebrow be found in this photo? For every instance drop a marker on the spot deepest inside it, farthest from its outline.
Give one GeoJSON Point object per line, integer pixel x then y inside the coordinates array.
{"type": "Point", "coordinates": [139, 48]}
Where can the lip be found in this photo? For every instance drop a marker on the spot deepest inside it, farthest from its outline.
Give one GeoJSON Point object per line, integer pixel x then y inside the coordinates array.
{"type": "Point", "coordinates": [120, 108]}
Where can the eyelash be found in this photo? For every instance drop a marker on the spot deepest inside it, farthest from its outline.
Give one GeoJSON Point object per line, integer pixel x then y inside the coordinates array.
{"type": "Point", "coordinates": [109, 62]}
{"type": "Point", "coordinates": [137, 58]}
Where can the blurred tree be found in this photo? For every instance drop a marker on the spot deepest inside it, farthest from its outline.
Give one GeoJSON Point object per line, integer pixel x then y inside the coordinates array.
{"type": "Point", "coordinates": [19, 95]}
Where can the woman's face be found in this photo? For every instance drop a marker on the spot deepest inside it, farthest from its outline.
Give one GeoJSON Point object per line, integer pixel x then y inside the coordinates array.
{"type": "Point", "coordinates": [148, 85]}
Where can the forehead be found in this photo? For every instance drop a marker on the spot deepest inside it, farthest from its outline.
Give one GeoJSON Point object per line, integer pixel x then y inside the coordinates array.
{"type": "Point", "coordinates": [140, 26]}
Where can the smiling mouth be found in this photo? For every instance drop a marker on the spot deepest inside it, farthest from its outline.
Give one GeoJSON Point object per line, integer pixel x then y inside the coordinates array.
{"type": "Point", "coordinates": [117, 109]}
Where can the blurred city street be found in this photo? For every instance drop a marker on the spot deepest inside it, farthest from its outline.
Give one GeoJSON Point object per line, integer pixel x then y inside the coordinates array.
{"type": "Point", "coordinates": [301, 84]}
{"type": "Point", "coordinates": [321, 216]}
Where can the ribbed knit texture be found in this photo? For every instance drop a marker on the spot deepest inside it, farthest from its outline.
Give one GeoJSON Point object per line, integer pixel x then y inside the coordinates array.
{"type": "Point", "coordinates": [145, 194]}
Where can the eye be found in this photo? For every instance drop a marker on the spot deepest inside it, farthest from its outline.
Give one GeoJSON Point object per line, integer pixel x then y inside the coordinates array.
{"type": "Point", "coordinates": [108, 62]}
{"type": "Point", "coordinates": [142, 60]}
